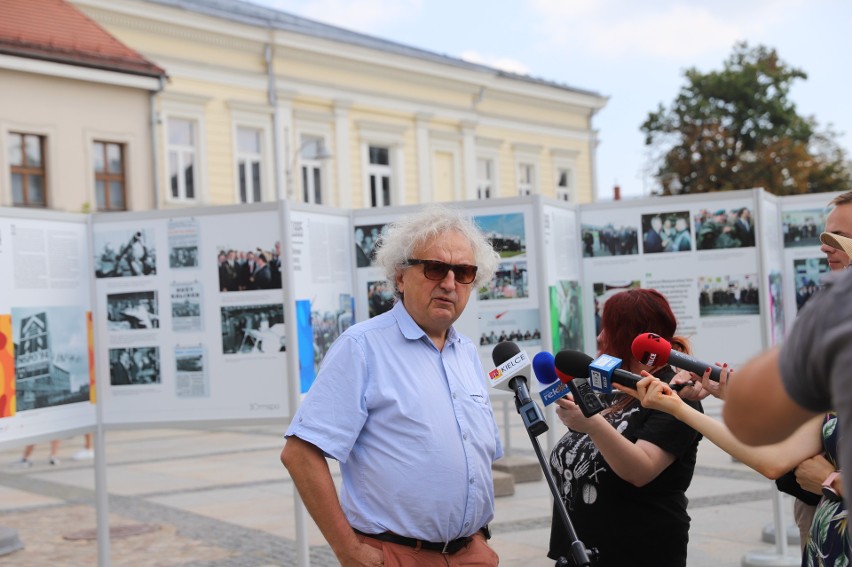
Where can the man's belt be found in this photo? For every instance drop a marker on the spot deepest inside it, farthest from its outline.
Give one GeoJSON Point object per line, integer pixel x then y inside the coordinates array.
{"type": "Point", "coordinates": [448, 548]}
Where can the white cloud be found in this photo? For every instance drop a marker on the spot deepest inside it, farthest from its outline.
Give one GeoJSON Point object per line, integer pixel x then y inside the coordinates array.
{"type": "Point", "coordinates": [502, 63]}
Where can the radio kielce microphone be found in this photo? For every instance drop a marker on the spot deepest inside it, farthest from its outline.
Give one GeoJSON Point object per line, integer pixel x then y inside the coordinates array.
{"type": "Point", "coordinates": [511, 363]}
{"type": "Point", "coordinates": [576, 376]}
{"type": "Point", "coordinates": [602, 372]}
{"type": "Point", "coordinates": [651, 349]}
{"type": "Point", "coordinates": [545, 373]}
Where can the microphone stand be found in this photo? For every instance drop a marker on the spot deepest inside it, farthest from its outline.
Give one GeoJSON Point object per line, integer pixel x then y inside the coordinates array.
{"type": "Point", "coordinates": [535, 426]}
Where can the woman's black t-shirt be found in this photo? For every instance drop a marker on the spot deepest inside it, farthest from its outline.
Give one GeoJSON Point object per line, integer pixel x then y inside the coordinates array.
{"type": "Point", "coordinates": [629, 526]}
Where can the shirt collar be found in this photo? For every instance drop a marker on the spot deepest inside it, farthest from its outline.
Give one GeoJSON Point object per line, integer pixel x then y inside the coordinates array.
{"type": "Point", "coordinates": [409, 327]}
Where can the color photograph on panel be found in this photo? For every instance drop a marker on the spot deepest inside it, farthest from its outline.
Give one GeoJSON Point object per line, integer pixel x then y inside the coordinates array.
{"type": "Point", "coordinates": [728, 295]}
{"type": "Point", "coordinates": [666, 232]}
{"type": "Point", "coordinates": [802, 227]}
{"type": "Point", "coordinates": [566, 316]}
{"type": "Point", "coordinates": [506, 233]}
{"type": "Point", "coordinates": [724, 228]}
{"type": "Point", "coordinates": [517, 325]}
{"type": "Point", "coordinates": [808, 272]}
{"type": "Point", "coordinates": [51, 354]}
{"type": "Point", "coordinates": [609, 240]}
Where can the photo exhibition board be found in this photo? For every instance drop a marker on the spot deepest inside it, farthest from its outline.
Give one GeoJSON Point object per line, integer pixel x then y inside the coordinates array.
{"type": "Point", "coordinates": [700, 251]}
{"type": "Point", "coordinates": [322, 270]}
{"type": "Point", "coordinates": [803, 219]}
{"type": "Point", "coordinates": [190, 315]}
{"type": "Point", "coordinates": [507, 307]}
{"type": "Point", "coordinates": [46, 341]}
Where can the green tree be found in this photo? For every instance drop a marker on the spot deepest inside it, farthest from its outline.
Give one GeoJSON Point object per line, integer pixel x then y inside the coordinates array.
{"type": "Point", "coordinates": [737, 129]}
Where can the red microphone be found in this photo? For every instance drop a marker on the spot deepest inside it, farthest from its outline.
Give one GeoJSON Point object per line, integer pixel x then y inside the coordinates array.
{"type": "Point", "coordinates": [651, 350]}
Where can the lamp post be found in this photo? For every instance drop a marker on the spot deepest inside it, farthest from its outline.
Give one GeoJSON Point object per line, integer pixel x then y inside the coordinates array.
{"type": "Point", "coordinates": [320, 152]}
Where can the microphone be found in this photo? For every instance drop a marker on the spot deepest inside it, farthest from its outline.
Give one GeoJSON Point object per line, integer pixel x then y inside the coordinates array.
{"type": "Point", "coordinates": [511, 363]}
{"type": "Point", "coordinates": [651, 349]}
{"type": "Point", "coordinates": [543, 365]}
{"type": "Point", "coordinates": [576, 376]}
{"type": "Point", "coordinates": [603, 371]}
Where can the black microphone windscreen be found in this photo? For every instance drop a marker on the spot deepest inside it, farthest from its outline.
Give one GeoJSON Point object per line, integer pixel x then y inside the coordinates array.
{"type": "Point", "coordinates": [503, 352]}
{"type": "Point", "coordinates": [573, 363]}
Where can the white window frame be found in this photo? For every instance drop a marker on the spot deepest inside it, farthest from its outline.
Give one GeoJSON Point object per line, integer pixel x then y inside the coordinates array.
{"type": "Point", "coordinates": [184, 107]}
{"type": "Point", "coordinates": [486, 181]}
{"type": "Point", "coordinates": [312, 125]}
{"type": "Point", "coordinates": [384, 135]}
{"type": "Point", "coordinates": [489, 149]}
{"type": "Point", "coordinates": [527, 159]}
{"type": "Point", "coordinates": [246, 160]}
{"type": "Point", "coordinates": [256, 117]}
{"type": "Point", "coordinates": [565, 160]}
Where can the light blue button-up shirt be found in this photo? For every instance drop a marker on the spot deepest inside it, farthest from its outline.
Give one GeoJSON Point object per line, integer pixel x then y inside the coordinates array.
{"type": "Point", "coordinates": [412, 427]}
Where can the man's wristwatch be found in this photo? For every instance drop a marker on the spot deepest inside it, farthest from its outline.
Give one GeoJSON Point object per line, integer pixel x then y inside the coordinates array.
{"type": "Point", "coordinates": [827, 488]}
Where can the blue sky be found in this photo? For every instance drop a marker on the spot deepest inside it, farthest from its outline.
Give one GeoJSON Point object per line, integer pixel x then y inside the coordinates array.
{"type": "Point", "coordinates": [632, 52]}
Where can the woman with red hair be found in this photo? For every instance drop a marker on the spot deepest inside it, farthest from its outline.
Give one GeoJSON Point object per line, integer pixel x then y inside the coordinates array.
{"type": "Point", "coordinates": [623, 473]}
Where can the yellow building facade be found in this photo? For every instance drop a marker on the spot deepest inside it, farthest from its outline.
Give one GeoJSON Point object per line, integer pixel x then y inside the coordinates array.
{"type": "Point", "coordinates": [261, 105]}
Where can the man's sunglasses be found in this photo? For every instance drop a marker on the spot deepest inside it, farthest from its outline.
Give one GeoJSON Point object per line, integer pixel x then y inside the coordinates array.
{"type": "Point", "coordinates": [437, 271]}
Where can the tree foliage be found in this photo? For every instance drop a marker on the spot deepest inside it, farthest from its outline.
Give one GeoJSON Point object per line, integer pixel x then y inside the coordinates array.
{"type": "Point", "coordinates": [737, 129]}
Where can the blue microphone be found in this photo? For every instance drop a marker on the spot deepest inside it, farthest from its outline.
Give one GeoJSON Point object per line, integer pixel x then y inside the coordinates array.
{"type": "Point", "coordinates": [545, 372]}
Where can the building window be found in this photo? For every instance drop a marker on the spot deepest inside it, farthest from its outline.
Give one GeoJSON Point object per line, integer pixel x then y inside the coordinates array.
{"type": "Point", "coordinates": [183, 156]}
{"type": "Point", "coordinates": [526, 179]}
{"type": "Point", "coordinates": [27, 165]}
{"type": "Point", "coordinates": [484, 178]}
{"type": "Point", "coordinates": [563, 184]}
{"type": "Point", "coordinates": [311, 154]}
{"type": "Point", "coordinates": [249, 161]}
{"type": "Point", "coordinates": [110, 183]}
{"type": "Point", "coordinates": [379, 173]}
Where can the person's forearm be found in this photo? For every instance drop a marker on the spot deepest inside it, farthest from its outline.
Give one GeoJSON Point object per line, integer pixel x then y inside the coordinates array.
{"type": "Point", "coordinates": [310, 473]}
{"type": "Point", "coordinates": [758, 410]}
{"type": "Point", "coordinates": [771, 461]}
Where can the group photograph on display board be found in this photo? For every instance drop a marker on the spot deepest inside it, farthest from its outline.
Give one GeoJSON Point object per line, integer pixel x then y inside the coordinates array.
{"type": "Point", "coordinates": [609, 240]}
{"type": "Point", "coordinates": [724, 228]}
{"type": "Point", "coordinates": [249, 269]}
{"type": "Point", "coordinates": [366, 238]}
{"type": "Point", "coordinates": [124, 253]}
{"type": "Point", "coordinates": [666, 232]}
{"type": "Point", "coordinates": [379, 297]}
{"type": "Point", "coordinates": [802, 227]}
{"type": "Point", "coordinates": [510, 281]}
{"type": "Point", "coordinates": [807, 273]}
{"type": "Point", "coordinates": [728, 295]}
{"type": "Point", "coordinates": [517, 325]}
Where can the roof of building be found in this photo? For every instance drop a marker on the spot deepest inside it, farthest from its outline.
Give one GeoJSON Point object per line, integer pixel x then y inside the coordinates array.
{"type": "Point", "coordinates": [54, 30]}
{"type": "Point", "coordinates": [252, 14]}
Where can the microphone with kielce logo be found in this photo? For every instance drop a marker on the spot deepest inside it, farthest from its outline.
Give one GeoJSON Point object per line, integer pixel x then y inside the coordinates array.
{"type": "Point", "coordinates": [510, 374]}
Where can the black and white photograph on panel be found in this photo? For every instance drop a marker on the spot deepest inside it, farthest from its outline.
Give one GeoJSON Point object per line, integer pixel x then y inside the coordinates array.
{"type": "Point", "coordinates": [605, 290]}
{"type": "Point", "coordinates": [600, 241]}
{"type": "Point", "coordinates": [808, 273]}
{"type": "Point", "coordinates": [257, 329]}
{"type": "Point", "coordinates": [124, 253]}
{"type": "Point", "coordinates": [734, 294]}
{"type": "Point", "coordinates": [724, 228]}
{"type": "Point", "coordinates": [133, 310]}
{"type": "Point", "coordinates": [510, 281]}
{"type": "Point", "coordinates": [506, 233]}
{"type": "Point", "coordinates": [379, 297]}
{"type": "Point", "coordinates": [366, 237]}
{"type": "Point", "coordinates": [803, 227]}
{"type": "Point", "coordinates": [183, 243]}
{"type": "Point", "coordinates": [186, 306]}
{"type": "Point", "coordinates": [191, 379]}
{"type": "Point", "coordinates": [246, 269]}
{"type": "Point", "coordinates": [666, 232]}
{"type": "Point", "coordinates": [133, 366]}
{"type": "Point", "coordinates": [518, 325]}
{"type": "Point", "coordinates": [51, 353]}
